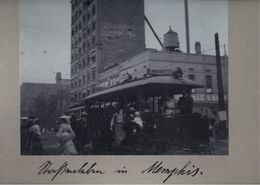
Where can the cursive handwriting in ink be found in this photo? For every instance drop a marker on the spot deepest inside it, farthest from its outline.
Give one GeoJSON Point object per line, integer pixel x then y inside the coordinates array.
{"type": "Point", "coordinates": [85, 169]}
{"type": "Point", "coordinates": [123, 171]}
{"type": "Point", "coordinates": [158, 168]}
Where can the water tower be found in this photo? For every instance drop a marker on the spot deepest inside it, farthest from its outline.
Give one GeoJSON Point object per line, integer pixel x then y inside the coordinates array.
{"type": "Point", "coordinates": [171, 41]}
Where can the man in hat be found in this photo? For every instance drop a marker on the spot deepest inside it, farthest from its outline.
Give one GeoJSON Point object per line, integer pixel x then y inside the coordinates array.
{"type": "Point", "coordinates": [81, 130]}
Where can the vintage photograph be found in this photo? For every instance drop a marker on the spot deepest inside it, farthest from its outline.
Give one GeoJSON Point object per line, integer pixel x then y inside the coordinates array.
{"type": "Point", "coordinates": [124, 77]}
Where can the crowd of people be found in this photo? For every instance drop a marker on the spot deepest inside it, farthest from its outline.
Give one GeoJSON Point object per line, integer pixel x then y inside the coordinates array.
{"type": "Point", "coordinates": [101, 128]}
{"type": "Point", "coordinates": [97, 129]}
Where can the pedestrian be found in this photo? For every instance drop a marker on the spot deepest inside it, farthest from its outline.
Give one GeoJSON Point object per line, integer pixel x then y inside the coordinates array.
{"type": "Point", "coordinates": [185, 103]}
{"type": "Point", "coordinates": [35, 138]}
{"type": "Point", "coordinates": [85, 134]}
{"type": "Point", "coordinates": [117, 126]}
{"type": "Point", "coordinates": [66, 136]}
{"type": "Point", "coordinates": [75, 125]}
{"type": "Point", "coordinates": [137, 130]}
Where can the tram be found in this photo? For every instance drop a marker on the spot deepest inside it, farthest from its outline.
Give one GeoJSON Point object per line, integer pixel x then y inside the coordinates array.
{"type": "Point", "coordinates": [148, 95]}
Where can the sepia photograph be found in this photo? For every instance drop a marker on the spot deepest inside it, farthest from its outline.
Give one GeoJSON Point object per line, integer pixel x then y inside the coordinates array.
{"type": "Point", "coordinates": [124, 77]}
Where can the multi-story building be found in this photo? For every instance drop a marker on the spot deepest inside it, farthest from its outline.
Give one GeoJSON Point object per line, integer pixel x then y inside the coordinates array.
{"type": "Point", "coordinates": [195, 66]}
{"type": "Point", "coordinates": [42, 99]}
{"type": "Point", "coordinates": [103, 33]}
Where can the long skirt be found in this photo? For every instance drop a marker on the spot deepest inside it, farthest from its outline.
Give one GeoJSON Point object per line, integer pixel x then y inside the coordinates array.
{"type": "Point", "coordinates": [36, 147]}
{"type": "Point", "coordinates": [68, 149]}
{"type": "Point", "coordinates": [120, 133]}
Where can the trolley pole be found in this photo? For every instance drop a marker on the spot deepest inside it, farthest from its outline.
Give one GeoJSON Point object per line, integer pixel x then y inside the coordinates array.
{"type": "Point", "coordinates": [221, 101]}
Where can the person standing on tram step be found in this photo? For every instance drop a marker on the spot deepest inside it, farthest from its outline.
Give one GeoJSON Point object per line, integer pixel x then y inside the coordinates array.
{"type": "Point", "coordinates": [66, 136]}
{"type": "Point", "coordinates": [117, 126]}
{"type": "Point", "coordinates": [185, 103]}
{"type": "Point", "coordinates": [35, 138]}
{"type": "Point", "coordinates": [168, 107]}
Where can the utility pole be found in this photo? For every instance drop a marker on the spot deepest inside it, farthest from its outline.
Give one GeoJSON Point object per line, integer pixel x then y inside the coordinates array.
{"type": "Point", "coordinates": [221, 101]}
{"type": "Point", "coordinates": [186, 8]}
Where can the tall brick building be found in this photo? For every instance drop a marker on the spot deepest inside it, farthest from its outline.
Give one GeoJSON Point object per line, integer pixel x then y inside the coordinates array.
{"type": "Point", "coordinates": [103, 34]}
{"type": "Point", "coordinates": [45, 101]}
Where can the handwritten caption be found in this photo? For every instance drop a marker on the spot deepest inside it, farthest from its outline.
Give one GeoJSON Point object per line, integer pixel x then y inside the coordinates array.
{"type": "Point", "coordinates": [87, 168]}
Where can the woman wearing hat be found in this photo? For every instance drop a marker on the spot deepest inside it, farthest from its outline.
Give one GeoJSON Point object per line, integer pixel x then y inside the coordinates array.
{"type": "Point", "coordinates": [35, 138]}
{"type": "Point", "coordinates": [66, 135]}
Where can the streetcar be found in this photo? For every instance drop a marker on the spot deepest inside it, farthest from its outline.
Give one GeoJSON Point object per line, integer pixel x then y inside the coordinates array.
{"type": "Point", "coordinates": [147, 95]}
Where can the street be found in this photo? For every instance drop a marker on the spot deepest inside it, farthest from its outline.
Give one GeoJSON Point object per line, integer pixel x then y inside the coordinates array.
{"type": "Point", "coordinates": [220, 147]}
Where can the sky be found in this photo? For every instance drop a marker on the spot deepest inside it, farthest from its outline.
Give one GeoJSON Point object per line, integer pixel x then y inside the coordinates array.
{"type": "Point", "coordinates": [45, 32]}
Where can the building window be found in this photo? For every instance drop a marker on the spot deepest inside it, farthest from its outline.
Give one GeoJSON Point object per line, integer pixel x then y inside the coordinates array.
{"type": "Point", "coordinates": [84, 46]}
{"type": "Point", "coordinates": [79, 95]}
{"type": "Point", "coordinates": [88, 17]}
{"type": "Point", "coordinates": [93, 40]}
{"type": "Point", "coordinates": [93, 10]}
{"type": "Point", "coordinates": [75, 96]}
{"type": "Point", "coordinates": [88, 44]}
{"type": "Point", "coordinates": [94, 71]}
{"type": "Point", "coordinates": [191, 69]}
{"type": "Point", "coordinates": [79, 12]}
{"type": "Point", "coordinates": [93, 26]}
{"type": "Point", "coordinates": [208, 82]}
{"type": "Point", "coordinates": [83, 63]}
{"type": "Point", "coordinates": [191, 77]}
{"type": "Point", "coordinates": [88, 60]}
{"type": "Point", "coordinates": [79, 83]}
{"type": "Point", "coordinates": [88, 77]}
{"type": "Point", "coordinates": [93, 59]}
{"type": "Point", "coordinates": [73, 6]}
{"type": "Point", "coordinates": [84, 19]}
{"type": "Point", "coordinates": [88, 31]}
{"type": "Point", "coordinates": [84, 80]}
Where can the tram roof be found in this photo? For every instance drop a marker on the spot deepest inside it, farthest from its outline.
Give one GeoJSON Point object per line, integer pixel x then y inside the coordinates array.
{"type": "Point", "coordinates": [162, 81]}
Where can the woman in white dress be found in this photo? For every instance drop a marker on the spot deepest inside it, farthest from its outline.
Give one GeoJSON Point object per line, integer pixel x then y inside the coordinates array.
{"type": "Point", "coordinates": [66, 136]}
